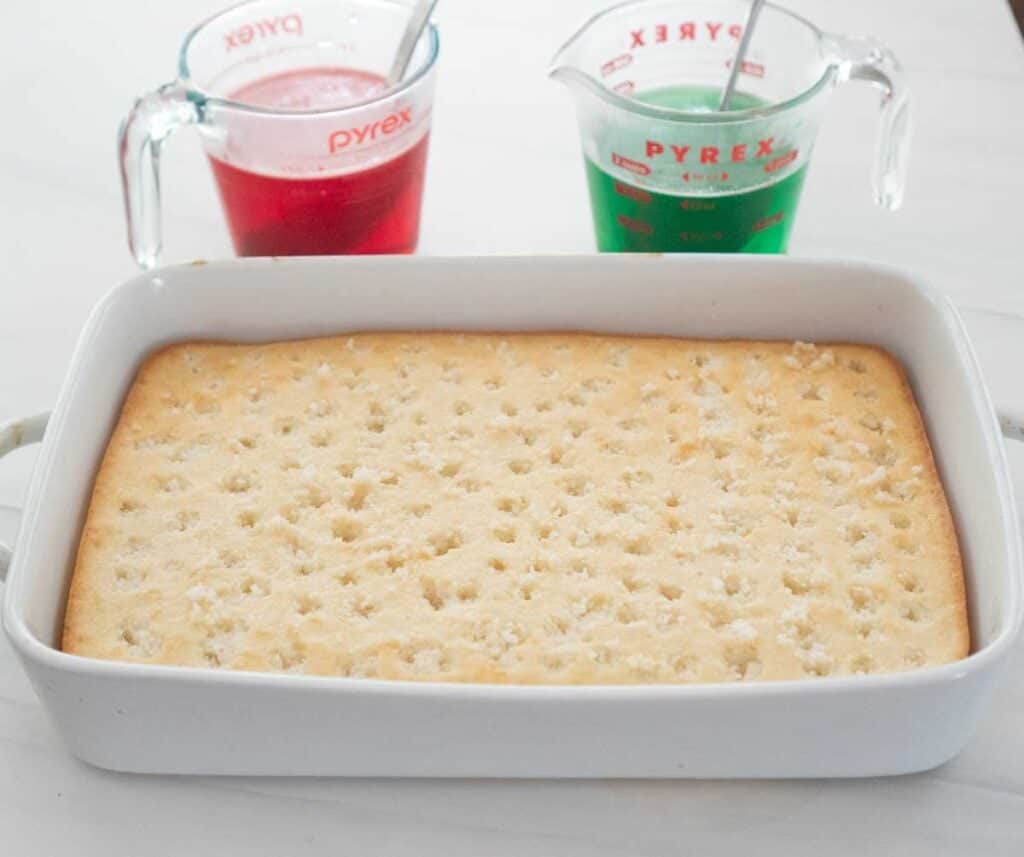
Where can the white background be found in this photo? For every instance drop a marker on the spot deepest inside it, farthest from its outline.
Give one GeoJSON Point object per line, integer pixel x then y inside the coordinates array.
{"type": "Point", "coordinates": [504, 176]}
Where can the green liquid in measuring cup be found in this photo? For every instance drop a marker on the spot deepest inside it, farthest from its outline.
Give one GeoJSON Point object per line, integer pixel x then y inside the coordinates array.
{"type": "Point", "coordinates": [633, 219]}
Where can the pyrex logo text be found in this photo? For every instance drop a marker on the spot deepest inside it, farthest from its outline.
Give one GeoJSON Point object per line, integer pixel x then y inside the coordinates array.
{"type": "Point", "coordinates": [687, 31]}
{"type": "Point", "coordinates": [711, 154]}
{"type": "Point", "coordinates": [370, 131]}
{"type": "Point", "coordinates": [262, 29]}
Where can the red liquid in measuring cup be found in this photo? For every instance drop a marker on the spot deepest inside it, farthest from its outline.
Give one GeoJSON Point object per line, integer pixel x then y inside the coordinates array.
{"type": "Point", "coordinates": [376, 210]}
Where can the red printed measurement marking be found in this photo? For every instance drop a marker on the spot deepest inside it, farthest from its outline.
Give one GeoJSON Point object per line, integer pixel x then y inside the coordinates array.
{"type": "Point", "coordinates": [685, 31]}
{"type": "Point", "coordinates": [700, 236]}
{"type": "Point", "coordinates": [625, 88]}
{"type": "Point", "coordinates": [634, 225]}
{"type": "Point", "coordinates": [616, 63]}
{"type": "Point", "coordinates": [290, 24]}
{"type": "Point", "coordinates": [634, 193]}
{"type": "Point", "coordinates": [696, 205]}
{"type": "Point", "coordinates": [631, 165]}
{"type": "Point", "coordinates": [711, 177]}
{"type": "Point", "coordinates": [781, 161]}
{"type": "Point", "coordinates": [370, 131]}
{"type": "Point", "coordinates": [763, 223]}
{"type": "Point", "coordinates": [754, 69]}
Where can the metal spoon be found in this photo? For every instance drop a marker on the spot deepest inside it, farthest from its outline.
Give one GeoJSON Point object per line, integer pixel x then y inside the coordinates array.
{"type": "Point", "coordinates": [417, 21]}
{"type": "Point", "coordinates": [741, 52]}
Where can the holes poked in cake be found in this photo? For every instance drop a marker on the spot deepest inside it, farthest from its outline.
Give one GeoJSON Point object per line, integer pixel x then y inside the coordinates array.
{"type": "Point", "coordinates": [431, 593]}
{"type": "Point", "coordinates": [735, 585]}
{"type": "Point", "coordinates": [576, 428]}
{"type": "Point", "coordinates": [814, 393]}
{"type": "Point", "coordinates": [462, 408]}
{"type": "Point", "coordinates": [418, 510]}
{"type": "Point", "coordinates": [319, 409]}
{"type": "Point", "coordinates": [631, 582]}
{"type": "Point", "coordinates": [467, 592]}
{"type": "Point", "coordinates": [321, 439]}
{"type": "Point", "coordinates": [913, 657]}
{"type": "Point", "coordinates": [364, 608]}
{"type": "Point", "coordinates": [855, 534]}
{"type": "Point", "coordinates": [312, 496]}
{"type": "Point", "coordinates": [141, 641]}
{"type": "Point", "coordinates": [574, 398]}
{"type": "Point", "coordinates": [909, 581]}
{"type": "Point", "coordinates": [238, 482]}
{"type": "Point", "coordinates": [305, 569]}
{"type": "Point", "coordinates": [129, 506]}
{"type": "Point", "coordinates": [862, 599]}
{"type": "Point", "coordinates": [817, 665]}
{"type": "Point", "coordinates": [445, 542]}
{"type": "Point", "coordinates": [356, 499]}
{"type": "Point", "coordinates": [306, 604]}
{"type": "Point", "coordinates": [576, 485]}
{"type": "Point", "coordinates": [866, 629]}
{"type": "Point", "coordinates": [512, 505]}
{"type": "Point", "coordinates": [450, 469]}
{"type": "Point", "coordinates": [285, 426]}
{"type": "Point", "coordinates": [862, 665]}
{"type": "Point", "coordinates": [906, 545]}
{"type": "Point", "coordinates": [615, 505]}
{"type": "Point", "coordinates": [856, 366]}
{"type": "Point", "coordinates": [347, 577]}
{"type": "Point", "coordinates": [527, 435]}
{"type": "Point", "coordinates": [248, 518]}
{"type": "Point", "coordinates": [797, 582]}
{"type": "Point", "coordinates": [913, 612]}
{"type": "Point", "coordinates": [504, 534]}
{"type": "Point", "coordinates": [638, 545]}
{"type": "Point", "coordinates": [741, 660]}
{"type": "Point", "coordinates": [185, 519]}
{"type": "Point", "coordinates": [129, 577]}
{"type": "Point", "coordinates": [288, 659]}
{"type": "Point", "coordinates": [520, 466]}
{"type": "Point", "coordinates": [635, 477]}
{"type": "Point", "coordinates": [900, 521]}
{"type": "Point", "coordinates": [497, 564]}
{"type": "Point", "coordinates": [670, 591]}
{"type": "Point", "coordinates": [346, 529]}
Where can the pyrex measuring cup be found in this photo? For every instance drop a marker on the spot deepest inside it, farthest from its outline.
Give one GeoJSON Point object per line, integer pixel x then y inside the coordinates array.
{"type": "Point", "coordinates": [667, 172]}
{"type": "Point", "coordinates": [297, 174]}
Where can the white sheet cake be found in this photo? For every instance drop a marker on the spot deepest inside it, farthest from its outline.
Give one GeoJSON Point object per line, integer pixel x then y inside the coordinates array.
{"type": "Point", "coordinates": [520, 509]}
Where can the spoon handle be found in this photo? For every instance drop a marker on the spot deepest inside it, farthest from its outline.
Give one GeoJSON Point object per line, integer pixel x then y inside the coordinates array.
{"type": "Point", "coordinates": [418, 18]}
{"type": "Point", "coordinates": [741, 52]}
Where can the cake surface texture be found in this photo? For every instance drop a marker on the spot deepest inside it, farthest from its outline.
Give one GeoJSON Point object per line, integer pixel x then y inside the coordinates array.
{"type": "Point", "coordinates": [520, 508]}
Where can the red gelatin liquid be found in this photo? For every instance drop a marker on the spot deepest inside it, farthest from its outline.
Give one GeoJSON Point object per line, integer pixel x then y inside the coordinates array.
{"type": "Point", "coordinates": [376, 210]}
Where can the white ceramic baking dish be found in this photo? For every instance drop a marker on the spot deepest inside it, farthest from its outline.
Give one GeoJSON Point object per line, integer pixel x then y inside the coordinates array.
{"type": "Point", "coordinates": [184, 720]}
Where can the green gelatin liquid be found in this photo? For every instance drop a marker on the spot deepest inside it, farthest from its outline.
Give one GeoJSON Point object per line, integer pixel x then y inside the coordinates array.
{"type": "Point", "coordinates": [630, 218]}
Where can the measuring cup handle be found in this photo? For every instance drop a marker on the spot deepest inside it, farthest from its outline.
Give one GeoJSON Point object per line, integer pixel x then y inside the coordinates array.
{"type": "Point", "coordinates": [866, 59]}
{"type": "Point", "coordinates": [151, 121]}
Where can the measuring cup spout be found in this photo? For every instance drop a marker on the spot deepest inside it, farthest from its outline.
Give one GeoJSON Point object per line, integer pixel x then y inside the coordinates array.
{"type": "Point", "coordinates": [565, 64]}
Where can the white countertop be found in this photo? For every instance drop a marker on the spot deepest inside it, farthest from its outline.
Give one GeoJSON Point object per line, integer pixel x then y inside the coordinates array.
{"type": "Point", "coordinates": [504, 176]}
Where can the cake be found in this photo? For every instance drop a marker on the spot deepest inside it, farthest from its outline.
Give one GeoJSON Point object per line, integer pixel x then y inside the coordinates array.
{"type": "Point", "coordinates": [520, 508]}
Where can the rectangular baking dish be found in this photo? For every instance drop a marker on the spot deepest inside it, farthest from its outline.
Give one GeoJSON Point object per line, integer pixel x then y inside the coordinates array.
{"type": "Point", "coordinates": [182, 720]}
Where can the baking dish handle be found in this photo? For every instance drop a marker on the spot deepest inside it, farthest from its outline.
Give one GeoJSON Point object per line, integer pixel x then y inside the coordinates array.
{"type": "Point", "coordinates": [997, 338]}
{"type": "Point", "coordinates": [17, 433]}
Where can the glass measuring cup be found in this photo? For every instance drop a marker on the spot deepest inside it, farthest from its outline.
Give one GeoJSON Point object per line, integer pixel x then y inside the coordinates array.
{"type": "Point", "coordinates": [666, 172]}
{"type": "Point", "coordinates": [297, 173]}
